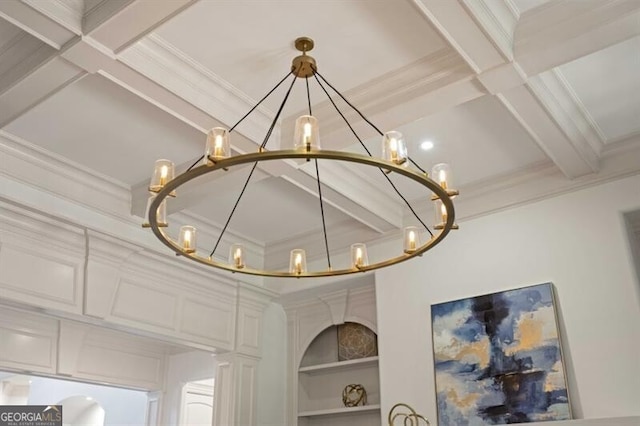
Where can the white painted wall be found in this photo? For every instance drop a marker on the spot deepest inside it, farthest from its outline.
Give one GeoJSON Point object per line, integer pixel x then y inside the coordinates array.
{"type": "Point", "coordinates": [183, 368]}
{"type": "Point", "coordinates": [578, 242]}
{"type": "Point", "coordinates": [272, 368]}
{"type": "Point", "coordinates": [121, 406]}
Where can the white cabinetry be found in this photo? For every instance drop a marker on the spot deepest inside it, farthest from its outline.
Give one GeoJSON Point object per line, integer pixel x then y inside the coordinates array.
{"type": "Point", "coordinates": [317, 378]}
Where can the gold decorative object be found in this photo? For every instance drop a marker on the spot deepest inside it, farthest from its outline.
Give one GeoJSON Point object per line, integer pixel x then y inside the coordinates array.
{"type": "Point", "coordinates": [356, 341]}
{"type": "Point", "coordinates": [218, 157]}
{"type": "Point", "coordinates": [410, 418]}
{"type": "Point", "coordinates": [354, 396]}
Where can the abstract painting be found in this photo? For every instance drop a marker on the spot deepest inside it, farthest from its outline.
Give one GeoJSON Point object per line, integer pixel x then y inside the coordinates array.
{"type": "Point", "coordinates": [498, 359]}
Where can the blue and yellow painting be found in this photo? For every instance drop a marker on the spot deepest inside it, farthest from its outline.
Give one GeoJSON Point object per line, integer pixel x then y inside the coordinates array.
{"type": "Point", "coordinates": [498, 359]}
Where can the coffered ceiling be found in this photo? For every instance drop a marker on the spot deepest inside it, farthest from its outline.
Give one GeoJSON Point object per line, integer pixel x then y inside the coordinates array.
{"type": "Point", "coordinates": [525, 98]}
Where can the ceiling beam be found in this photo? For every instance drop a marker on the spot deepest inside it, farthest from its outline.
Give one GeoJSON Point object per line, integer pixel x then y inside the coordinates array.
{"type": "Point", "coordinates": [560, 32]}
{"type": "Point", "coordinates": [457, 26]}
{"type": "Point", "coordinates": [117, 27]}
{"type": "Point", "coordinates": [34, 22]}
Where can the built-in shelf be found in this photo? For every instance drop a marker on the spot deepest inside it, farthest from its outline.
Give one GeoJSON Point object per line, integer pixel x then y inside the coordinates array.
{"type": "Point", "coordinates": [344, 410]}
{"type": "Point", "coordinates": [332, 367]}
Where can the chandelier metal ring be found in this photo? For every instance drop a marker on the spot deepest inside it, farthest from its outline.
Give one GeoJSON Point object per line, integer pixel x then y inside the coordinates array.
{"type": "Point", "coordinates": [257, 157]}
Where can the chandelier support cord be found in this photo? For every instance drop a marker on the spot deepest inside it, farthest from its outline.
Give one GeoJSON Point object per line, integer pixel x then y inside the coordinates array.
{"type": "Point", "coordinates": [264, 142]}
{"type": "Point", "coordinates": [324, 225]}
{"type": "Point", "coordinates": [275, 120]}
{"type": "Point", "coordinates": [365, 147]}
{"type": "Point", "coordinates": [247, 114]}
{"type": "Point", "coordinates": [363, 117]}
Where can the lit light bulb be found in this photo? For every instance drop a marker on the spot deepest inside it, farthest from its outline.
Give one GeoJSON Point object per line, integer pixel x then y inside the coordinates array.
{"type": "Point", "coordinates": [443, 211]}
{"type": "Point", "coordinates": [442, 177]}
{"type": "Point", "coordinates": [186, 242]}
{"type": "Point", "coordinates": [358, 257]}
{"type": "Point", "coordinates": [217, 149]}
{"type": "Point", "coordinates": [298, 263]}
{"type": "Point", "coordinates": [307, 135]}
{"type": "Point", "coordinates": [237, 257]}
{"type": "Point", "coordinates": [393, 147]}
{"type": "Point", "coordinates": [412, 240]}
{"type": "Point", "coordinates": [164, 172]}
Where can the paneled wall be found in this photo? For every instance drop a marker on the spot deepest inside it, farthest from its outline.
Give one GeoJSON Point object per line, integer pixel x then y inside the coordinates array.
{"type": "Point", "coordinates": [43, 344]}
{"type": "Point", "coordinates": [90, 285]}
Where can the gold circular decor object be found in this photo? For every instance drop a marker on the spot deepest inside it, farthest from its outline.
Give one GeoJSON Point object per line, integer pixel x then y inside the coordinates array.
{"type": "Point", "coordinates": [354, 396]}
{"type": "Point", "coordinates": [304, 44]}
{"type": "Point", "coordinates": [221, 165]}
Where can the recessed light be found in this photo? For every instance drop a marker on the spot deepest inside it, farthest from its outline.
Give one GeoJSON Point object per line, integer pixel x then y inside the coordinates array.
{"type": "Point", "coordinates": [426, 145]}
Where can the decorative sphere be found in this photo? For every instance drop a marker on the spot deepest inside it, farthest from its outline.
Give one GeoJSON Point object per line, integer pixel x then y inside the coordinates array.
{"type": "Point", "coordinates": [354, 395]}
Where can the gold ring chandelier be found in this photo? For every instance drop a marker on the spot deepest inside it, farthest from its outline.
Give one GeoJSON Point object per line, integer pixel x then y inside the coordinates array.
{"type": "Point", "coordinates": [306, 146]}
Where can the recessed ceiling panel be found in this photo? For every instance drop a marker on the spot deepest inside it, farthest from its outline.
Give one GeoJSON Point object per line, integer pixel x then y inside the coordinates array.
{"type": "Point", "coordinates": [102, 126]}
{"type": "Point", "coordinates": [479, 139]}
{"type": "Point", "coordinates": [250, 43]}
{"type": "Point", "coordinates": [608, 83]}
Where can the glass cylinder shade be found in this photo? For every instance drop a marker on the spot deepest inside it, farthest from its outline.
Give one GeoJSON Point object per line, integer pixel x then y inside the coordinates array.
{"type": "Point", "coordinates": [441, 173]}
{"type": "Point", "coordinates": [394, 148]}
{"type": "Point", "coordinates": [161, 213]}
{"type": "Point", "coordinates": [298, 262]}
{"type": "Point", "coordinates": [217, 147]}
{"type": "Point", "coordinates": [411, 239]}
{"type": "Point", "coordinates": [187, 238]}
{"type": "Point", "coordinates": [440, 211]}
{"type": "Point", "coordinates": [236, 256]}
{"type": "Point", "coordinates": [359, 258]}
{"type": "Point", "coordinates": [307, 134]}
{"type": "Point", "coordinates": [163, 172]}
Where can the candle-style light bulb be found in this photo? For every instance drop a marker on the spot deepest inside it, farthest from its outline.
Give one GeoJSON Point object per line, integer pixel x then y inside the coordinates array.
{"type": "Point", "coordinates": [443, 212]}
{"type": "Point", "coordinates": [442, 178]}
{"type": "Point", "coordinates": [298, 263]}
{"type": "Point", "coordinates": [187, 238]}
{"type": "Point", "coordinates": [236, 256]}
{"type": "Point", "coordinates": [411, 239]}
{"type": "Point", "coordinates": [164, 172]}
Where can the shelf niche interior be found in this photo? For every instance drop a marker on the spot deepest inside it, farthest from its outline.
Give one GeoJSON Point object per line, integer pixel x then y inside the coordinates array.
{"type": "Point", "coordinates": [322, 378]}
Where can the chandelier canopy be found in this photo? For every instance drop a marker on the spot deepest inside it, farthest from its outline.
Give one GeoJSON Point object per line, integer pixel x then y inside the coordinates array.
{"type": "Point", "coordinates": [218, 158]}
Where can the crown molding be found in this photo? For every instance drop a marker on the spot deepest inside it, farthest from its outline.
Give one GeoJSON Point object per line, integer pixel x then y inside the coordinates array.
{"type": "Point", "coordinates": [62, 177]}
{"type": "Point", "coordinates": [160, 61]}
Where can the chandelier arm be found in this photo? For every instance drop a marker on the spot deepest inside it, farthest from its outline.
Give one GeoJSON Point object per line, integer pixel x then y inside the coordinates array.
{"type": "Point", "coordinates": [275, 119]}
{"type": "Point", "coordinates": [348, 103]}
{"type": "Point", "coordinates": [324, 225]}
{"type": "Point", "coordinates": [260, 101]}
{"type": "Point", "coordinates": [234, 208]}
{"type": "Point", "coordinates": [343, 117]}
{"type": "Point", "coordinates": [308, 95]}
{"type": "Point", "coordinates": [195, 163]}
{"type": "Point", "coordinates": [369, 152]}
{"type": "Point", "coordinates": [417, 166]}
{"type": "Point", "coordinates": [246, 115]}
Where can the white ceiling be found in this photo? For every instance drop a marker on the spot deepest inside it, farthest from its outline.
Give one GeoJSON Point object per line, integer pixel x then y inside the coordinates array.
{"type": "Point", "coordinates": [98, 124]}
{"type": "Point", "coordinates": [356, 41]}
{"type": "Point", "coordinates": [146, 79]}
